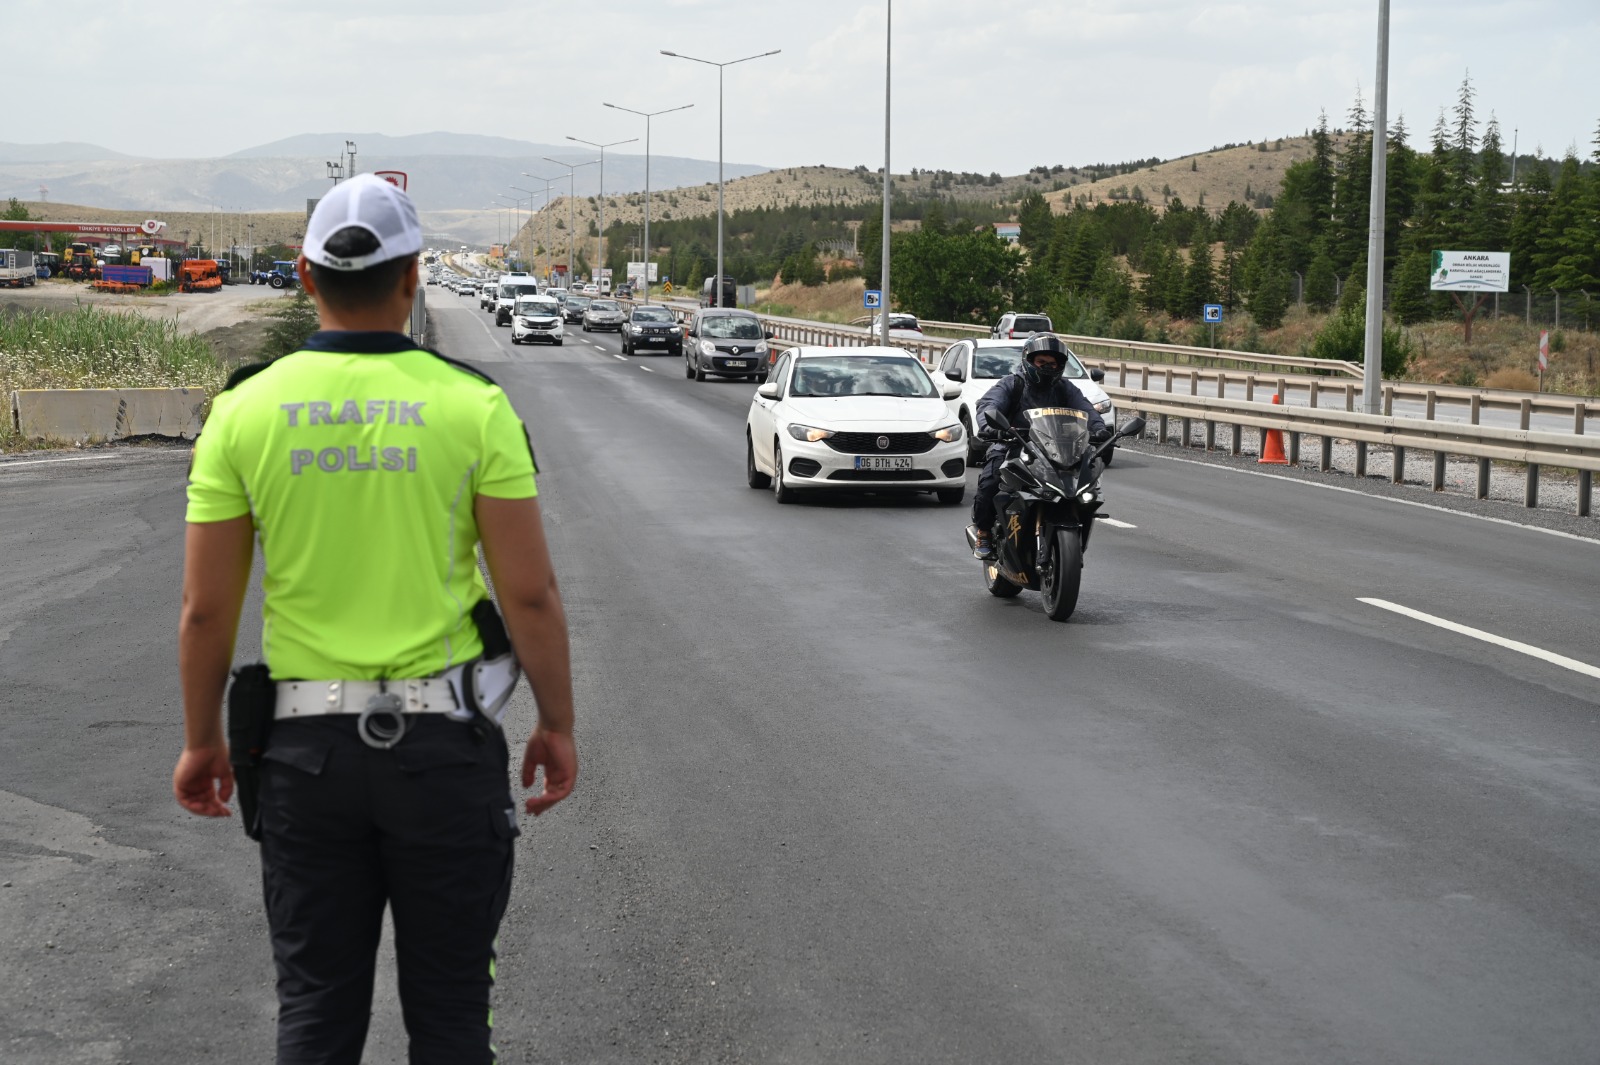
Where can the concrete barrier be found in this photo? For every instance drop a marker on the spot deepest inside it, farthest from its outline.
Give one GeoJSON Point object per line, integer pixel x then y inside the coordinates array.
{"type": "Point", "coordinates": [96, 415]}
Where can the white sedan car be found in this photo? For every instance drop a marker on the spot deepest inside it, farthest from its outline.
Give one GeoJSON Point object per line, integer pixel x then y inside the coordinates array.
{"type": "Point", "coordinates": [861, 419]}
{"type": "Point", "coordinates": [978, 365]}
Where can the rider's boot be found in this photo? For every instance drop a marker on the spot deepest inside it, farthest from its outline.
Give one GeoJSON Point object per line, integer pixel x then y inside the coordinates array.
{"type": "Point", "coordinates": [982, 547]}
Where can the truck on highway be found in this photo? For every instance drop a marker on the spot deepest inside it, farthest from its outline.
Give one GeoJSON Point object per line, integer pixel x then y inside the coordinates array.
{"type": "Point", "coordinates": [17, 268]}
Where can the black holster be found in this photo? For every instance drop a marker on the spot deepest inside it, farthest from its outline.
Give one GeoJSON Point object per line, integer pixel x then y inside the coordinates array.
{"type": "Point", "coordinates": [252, 705]}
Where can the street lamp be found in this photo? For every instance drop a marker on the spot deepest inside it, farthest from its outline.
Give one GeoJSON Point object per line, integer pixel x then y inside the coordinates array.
{"type": "Point", "coordinates": [572, 236]}
{"type": "Point", "coordinates": [647, 116]}
{"type": "Point", "coordinates": [547, 202]}
{"type": "Point", "coordinates": [717, 284]}
{"type": "Point", "coordinates": [600, 241]}
{"type": "Point", "coordinates": [531, 194]}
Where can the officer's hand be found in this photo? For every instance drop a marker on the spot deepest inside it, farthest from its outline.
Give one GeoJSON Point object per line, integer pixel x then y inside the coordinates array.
{"type": "Point", "coordinates": [556, 752]}
{"type": "Point", "coordinates": [203, 781]}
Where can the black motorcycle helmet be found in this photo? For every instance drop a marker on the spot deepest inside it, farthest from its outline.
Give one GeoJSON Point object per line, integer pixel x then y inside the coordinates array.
{"type": "Point", "coordinates": [1043, 344]}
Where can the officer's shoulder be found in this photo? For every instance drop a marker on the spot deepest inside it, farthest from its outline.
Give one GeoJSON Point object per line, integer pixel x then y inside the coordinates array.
{"type": "Point", "coordinates": [463, 367]}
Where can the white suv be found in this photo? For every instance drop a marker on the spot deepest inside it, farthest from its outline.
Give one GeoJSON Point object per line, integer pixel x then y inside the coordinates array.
{"type": "Point", "coordinates": [1013, 326]}
{"type": "Point", "coordinates": [978, 365]}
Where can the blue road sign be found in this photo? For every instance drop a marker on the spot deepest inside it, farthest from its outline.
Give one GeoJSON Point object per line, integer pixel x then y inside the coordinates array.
{"type": "Point", "coordinates": [872, 299]}
{"type": "Point", "coordinates": [1213, 313]}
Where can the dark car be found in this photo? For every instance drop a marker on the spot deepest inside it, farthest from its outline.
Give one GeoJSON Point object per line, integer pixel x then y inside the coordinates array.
{"type": "Point", "coordinates": [727, 343]}
{"type": "Point", "coordinates": [651, 326]}
{"type": "Point", "coordinates": [573, 306]}
{"type": "Point", "coordinates": [729, 297]}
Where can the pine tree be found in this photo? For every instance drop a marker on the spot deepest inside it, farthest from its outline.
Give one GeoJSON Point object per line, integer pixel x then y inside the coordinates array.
{"type": "Point", "coordinates": [1490, 224]}
{"type": "Point", "coordinates": [1270, 299]}
{"type": "Point", "coordinates": [1321, 284]}
{"type": "Point", "coordinates": [1410, 302]}
{"type": "Point", "coordinates": [1199, 281]}
{"type": "Point", "coordinates": [1037, 221]}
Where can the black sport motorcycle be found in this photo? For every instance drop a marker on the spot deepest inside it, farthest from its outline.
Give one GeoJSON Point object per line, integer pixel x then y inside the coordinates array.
{"type": "Point", "coordinates": [1048, 500]}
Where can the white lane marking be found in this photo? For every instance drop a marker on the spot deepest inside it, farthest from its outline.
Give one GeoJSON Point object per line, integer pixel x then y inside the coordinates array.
{"type": "Point", "coordinates": [614, 355]}
{"type": "Point", "coordinates": [87, 458]}
{"type": "Point", "coordinates": [1368, 495]}
{"type": "Point", "coordinates": [1115, 524]}
{"type": "Point", "coordinates": [646, 369]}
{"type": "Point", "coordinates": [1488, 637]}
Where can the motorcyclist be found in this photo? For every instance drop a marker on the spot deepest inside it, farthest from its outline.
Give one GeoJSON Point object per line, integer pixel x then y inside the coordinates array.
{"type": "Point", "coordinates": [1037, 383]}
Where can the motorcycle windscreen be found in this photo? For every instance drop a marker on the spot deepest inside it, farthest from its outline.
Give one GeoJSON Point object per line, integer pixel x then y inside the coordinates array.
{"type": "Point", "coordinates": [1061, 435]}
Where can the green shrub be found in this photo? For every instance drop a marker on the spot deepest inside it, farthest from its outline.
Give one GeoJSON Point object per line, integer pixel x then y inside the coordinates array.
{"type": "Point", "coordinates": [294, 320]}
{"type": "Point", "coordinates": [1344, 337]}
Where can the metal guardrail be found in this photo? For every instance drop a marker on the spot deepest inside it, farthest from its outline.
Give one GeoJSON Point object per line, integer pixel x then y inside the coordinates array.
{"type": "Point", "coordinates": [1486, 444]}
{"type": "Point", "coordinates": [1315, 389]}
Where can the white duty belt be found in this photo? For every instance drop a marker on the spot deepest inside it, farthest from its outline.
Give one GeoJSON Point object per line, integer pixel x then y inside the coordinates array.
{"type": "Point", "coordinates": [390, 701]}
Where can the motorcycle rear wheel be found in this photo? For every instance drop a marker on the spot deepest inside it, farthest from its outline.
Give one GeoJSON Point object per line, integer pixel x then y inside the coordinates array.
{"type": "Point", "coordinates": [998, 586]}
{"type": "Point", "coordinates": [1062, 574]}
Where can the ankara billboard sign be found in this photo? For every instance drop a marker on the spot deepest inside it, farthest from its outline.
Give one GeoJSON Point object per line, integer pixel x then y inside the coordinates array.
{"type": "Point", "coordinates": [1471, 271]}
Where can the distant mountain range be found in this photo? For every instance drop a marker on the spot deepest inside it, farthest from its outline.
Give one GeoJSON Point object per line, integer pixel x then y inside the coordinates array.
{"type": "Point", "coordinates": [447, 171]}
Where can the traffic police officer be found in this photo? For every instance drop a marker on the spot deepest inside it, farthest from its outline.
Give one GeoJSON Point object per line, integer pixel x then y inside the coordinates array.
{"type": "Point", "coordinates": [370, 471]}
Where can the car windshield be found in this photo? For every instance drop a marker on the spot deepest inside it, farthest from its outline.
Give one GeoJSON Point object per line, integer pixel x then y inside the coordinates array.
{"type": "Point", "coordinates": [540, 306]}
{"type": "Point", "coordinates": [991, 363]}
{"type": "Point", "coordinates": [730, 327]}
{"type": "Point", "coordinates": [604, 305]}
{"type": "Point", "coordinates": [862, 375]}
{"type": "Point", "coordinates": [652, 314]}
{"type": "Point", "coordinates": [579, 302]}
{"type": "Point", "coordinates": [520, 289]}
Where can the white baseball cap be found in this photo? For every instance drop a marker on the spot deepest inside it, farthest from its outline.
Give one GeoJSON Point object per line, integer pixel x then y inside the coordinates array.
{"type": "Point", "coordinates": [367, 202]}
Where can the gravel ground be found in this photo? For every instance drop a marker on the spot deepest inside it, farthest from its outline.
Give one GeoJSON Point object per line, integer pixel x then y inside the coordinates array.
{"type": "Point", "coordinates": [195, 312]}
{"type": "Point", "coordinates": [1558, 489]}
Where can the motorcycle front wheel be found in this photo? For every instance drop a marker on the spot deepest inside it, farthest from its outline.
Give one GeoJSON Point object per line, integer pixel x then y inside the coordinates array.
{"type": "Point", "coordinates": [1062, 574]}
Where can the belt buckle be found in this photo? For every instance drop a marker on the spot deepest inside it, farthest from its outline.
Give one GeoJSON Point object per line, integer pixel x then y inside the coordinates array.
{"type": "Point", "coordinates": [382, 723]}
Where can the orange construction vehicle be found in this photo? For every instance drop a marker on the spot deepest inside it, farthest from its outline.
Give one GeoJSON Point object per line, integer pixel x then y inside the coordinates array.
{"type": "Point", "coordinates": [199, 275]}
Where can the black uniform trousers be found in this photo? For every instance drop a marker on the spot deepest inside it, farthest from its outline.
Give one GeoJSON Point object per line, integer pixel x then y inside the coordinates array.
{"type": "Point", "coordinates": [988, 488]}
{"type": "Point", "coordinates": [425, 828]}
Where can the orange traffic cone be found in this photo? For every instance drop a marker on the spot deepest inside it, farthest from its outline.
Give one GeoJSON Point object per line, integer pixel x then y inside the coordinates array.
{"type": "Point", "coordinates": [1272, 451]}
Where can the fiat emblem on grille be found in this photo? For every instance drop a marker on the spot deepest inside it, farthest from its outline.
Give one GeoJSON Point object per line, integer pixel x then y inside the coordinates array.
{"type": "Point", "coordinates": [883, 443]}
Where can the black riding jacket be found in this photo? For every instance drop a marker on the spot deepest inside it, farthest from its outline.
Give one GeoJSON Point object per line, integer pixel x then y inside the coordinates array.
{"type": "Point", "coordinates": [1014, 397]}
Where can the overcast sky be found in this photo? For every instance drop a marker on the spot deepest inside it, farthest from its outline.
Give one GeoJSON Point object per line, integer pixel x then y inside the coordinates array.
{"type": "Point", "coordinates": [987, 85]}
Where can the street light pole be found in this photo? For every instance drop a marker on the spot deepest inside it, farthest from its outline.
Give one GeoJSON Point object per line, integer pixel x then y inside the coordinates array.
{"type": "Point", "coordinates": [1372, 364]}
{"type": "Point", "coordinates": [572, 236]}
{"type": "Point", "coordinates": [600, 241]}
{"type": "Point", "coordinates": [531, 194]}
{"type": "Point", "coordinates": [716, 285]}
{"type": "Point", "coordinates": [547, 202]}
{"type": "Point", "coordinates": [883, 280]}
{"type": "Point", "coordinates": [647, 116]}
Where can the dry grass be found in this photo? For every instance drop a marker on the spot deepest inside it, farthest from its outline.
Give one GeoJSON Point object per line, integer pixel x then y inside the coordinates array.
{"type": "Point", "coordinates": [836, 301]}
{"type": "Point", "coordinates": [1520, 380]}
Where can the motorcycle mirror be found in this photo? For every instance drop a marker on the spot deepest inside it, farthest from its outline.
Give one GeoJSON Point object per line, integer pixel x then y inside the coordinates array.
{"type": "Point", "coordinates": [996, 420]}
{"type": "Point", "coordinates": [1134, 427]}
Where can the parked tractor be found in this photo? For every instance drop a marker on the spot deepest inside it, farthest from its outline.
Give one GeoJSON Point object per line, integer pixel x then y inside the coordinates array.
{"type": "Point", "coordinates": [282, 274]}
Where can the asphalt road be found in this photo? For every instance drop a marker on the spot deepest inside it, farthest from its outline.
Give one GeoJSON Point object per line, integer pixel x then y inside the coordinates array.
{"type": "Point", "coordinates": [840, 805]}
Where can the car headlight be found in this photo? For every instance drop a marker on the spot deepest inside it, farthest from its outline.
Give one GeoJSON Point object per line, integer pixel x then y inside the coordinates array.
{"type": "Point", "coordinates": [1103, 406]}
{"type": "Point", "coordinates": [761, 348]}
{"type": "Point", "coordinates": [707, 348]}
{"type": "Point", "coordinates": [808, 433]}
{"type": "Point", "coordinates": [949, 434]}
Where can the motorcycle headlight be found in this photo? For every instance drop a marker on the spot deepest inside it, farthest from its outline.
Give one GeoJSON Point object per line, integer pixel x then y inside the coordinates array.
{"type": "Point", "coordinates": [1102, 406]}
{"type": "Point", "coordinates": [808, 433]}
{"type": "Point", "coordinates": [1087, 495]}
{"type": "Point", "coordinates": [707, 348]}
{"type": "Point", "coordinates": [949, 434]}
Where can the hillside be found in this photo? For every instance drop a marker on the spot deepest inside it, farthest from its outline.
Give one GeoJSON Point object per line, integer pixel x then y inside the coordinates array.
{"type": "Point", "coordinates": [1245, 173]}
{"type": "Point", "coordinates": [1250, 174]}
